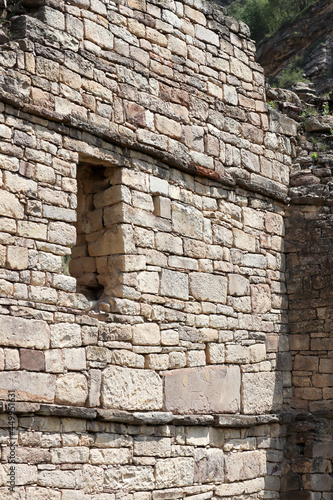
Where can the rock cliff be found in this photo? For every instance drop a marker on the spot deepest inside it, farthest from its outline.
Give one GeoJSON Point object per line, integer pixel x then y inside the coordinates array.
{"type": "Point", "coordinates": [309, 39]}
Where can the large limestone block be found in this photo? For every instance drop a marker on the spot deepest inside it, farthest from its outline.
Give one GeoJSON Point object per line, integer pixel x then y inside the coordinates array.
{"type": "Point", "coordinates": [261, 298]}
{"type": "Point", "coordinates": [17, 257]}
{"type": "Point", "coordinates": [130, 477]}
{"type": "Point", "coordinates": [19, 332]}
{"type": "Point", "coordinates": [146, 334]}
{"type": "Point", "coordinates": [174, 472]}
{"type": "Point", "coordinates": [208, 465]}
{"type": "Point", "coordinates": [174, 284]}
{"type": "Point", "coordinates": [97, 34]}
{"type": "Point", "coordinates": [319, 123]}
{"type": "Point", "coordinates": [241, 466]}
{"type": "Point", "coordinates": [117, 240]}
{"type": "Point", "coordinates": [36, 493]}
{"type": "Point", "coordinates": [213, 389]}
{"type": "Point", "coordinates": [92, 479]}
{"type": "Point", "coordinates": [10, 206]}
{"type": "Point", "coordinates": [62, 233]}
{"type": "Point", "coordinates": [187, 221]}
{"type": "Point", "coordinates": [238, 285]}
{"type": "Point", "coordinates": [261, 392]}
{"type": "Point", "coordinates": [131, 389]}
{"type": "Point", "coordinates": [29, 386]}
{"type": "Point", "coordinates": [65, 335]}
{"type": "Point", "coordinates": [150, 446]}
{"type": "Point", "coordinates": [208, 287]}
{"type": "Point", "coordinates": [70, 454]}
{"type": "Point", "coordinates": [72, 389]}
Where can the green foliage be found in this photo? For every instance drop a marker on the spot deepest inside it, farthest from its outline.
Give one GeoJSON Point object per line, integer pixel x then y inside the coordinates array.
{"type": "Point", "coordinates": [254, 13]}
{"type": "Point", "coordinates": [293, 73]}
{"type": "Point", "coordinates": [264, 17]}
{"type": "Point", "coordinates": [309, 112]}
{"type": "Point", "coordinates": [272, 104]}
{"type": "Point", "coordinates": [314, 156]}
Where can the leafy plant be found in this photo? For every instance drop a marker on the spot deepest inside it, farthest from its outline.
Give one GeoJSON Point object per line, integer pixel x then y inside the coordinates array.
{"type": "Point", "coordinates": [308, 112]}
{"type": "Point", "coordinates": [327, 108]}
{"type": "Point", "coordinates": [314, 156]}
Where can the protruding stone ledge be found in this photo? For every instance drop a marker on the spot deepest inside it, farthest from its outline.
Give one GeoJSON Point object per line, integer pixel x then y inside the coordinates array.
{"type": "Point", "coordinates": [244, 420]}
{"type": "Point", "coordinates": [145, 418]}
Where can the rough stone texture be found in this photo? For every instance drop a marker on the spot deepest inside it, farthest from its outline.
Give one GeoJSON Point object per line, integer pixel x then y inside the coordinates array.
{"type": "Point", "coordinates": [72, 389]}
{"type": "Point", "coordinates": [174, 472]}
{"type": "Point", "coordinates": [218, 387]}
{"type": "Point", "coordinates": [28, 386]}
{"type": "Point", "coordinates": [19, 332]}
{"type": "Point", "coordinates": [131, 389]}
{"type": "Point", "coordinates": [209, 288]}
{"type": "Point", "coordinates": [262, 392]}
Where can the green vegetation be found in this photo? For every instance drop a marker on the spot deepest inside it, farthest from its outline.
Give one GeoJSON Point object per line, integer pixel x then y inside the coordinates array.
{"type": "Point", "coordinates": [266, 16]}
{"type": "Point", "coordinates": [293, 73]}
{"type": "Point", "coordinates": [272, 104]}
{"type": "Point", "coordinates": [309, 111]}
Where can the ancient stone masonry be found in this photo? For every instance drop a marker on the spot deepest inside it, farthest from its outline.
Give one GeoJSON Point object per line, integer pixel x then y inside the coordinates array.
{"type": "Point", "coordinates": [154, 362]}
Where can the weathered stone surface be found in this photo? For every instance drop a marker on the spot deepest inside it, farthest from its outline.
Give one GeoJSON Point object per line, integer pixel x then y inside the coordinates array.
{"type": "Point", "coordinates": [131, 389]}
{"type": "Point", "coordinates": [19, 332]}
{"type": "Point", "coordinates": [65, 335]}
{"type": "Point", "coordinates": [130, 477]}
{"type": "Point", "coordinates": [187, 221]}
{"type": "Point", "coordinates": [17, 257]}
{"type": "Point", "coordinates": [319, 123]}
{"type": "Point", "coordinates": [261, 298]}
{"type": "Point", "coordinates": [28, 386]}
{"type": "Point", "coordinates": [261, 392]}
{"type": "Point", "coordinates": [152, 446]}
{"type": "Point", "coordinates": [174, 472]}
{"type": "Point", "coordinates": [10, 206]}
{"type": "Point", "coordinates": [146, 334]}
{"type": "Point", "coordinates": [203, 390]}
{"type": "Point", "coordinates": [72, 389]}
{"type": "Point", "coordinates": [244, 465]}
{"type": "Point", "coordinates": [117, 240]}
{"type": "Point", "coordinates": [174, 284]}
{"type": "Point", "coordinates": [32, 360]}
{"type": "Point", "coordinates": [282, 124]}
{"type": "Point", "coordinates": [204, 286]}
{"type": "Point", "coordinates": [238, 285]}
{"type": "Point", "coordinates": [208, 465]}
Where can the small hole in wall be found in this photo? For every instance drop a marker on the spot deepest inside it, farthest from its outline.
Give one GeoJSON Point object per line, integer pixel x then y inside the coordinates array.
{"type": "Point", "coordinates": [301, 447]}
{"type": "Point", "coordinates": [92, 180]}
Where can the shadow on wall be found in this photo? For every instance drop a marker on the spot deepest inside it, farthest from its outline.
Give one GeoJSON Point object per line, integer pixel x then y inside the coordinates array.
{"type": "Point", "coordinates": [308, 455]}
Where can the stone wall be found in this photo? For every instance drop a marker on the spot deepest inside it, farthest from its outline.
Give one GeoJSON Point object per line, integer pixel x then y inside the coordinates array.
{"type": "Point", "coordinates": [308, 246]}
{"type": "Point", "coordinates": [135, 138]}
